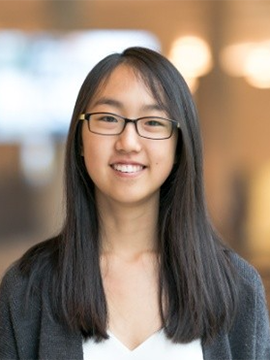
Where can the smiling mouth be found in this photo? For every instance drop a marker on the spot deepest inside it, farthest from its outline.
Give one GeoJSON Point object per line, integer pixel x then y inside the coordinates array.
{"type": "Point", "coordinates": [127, 168]}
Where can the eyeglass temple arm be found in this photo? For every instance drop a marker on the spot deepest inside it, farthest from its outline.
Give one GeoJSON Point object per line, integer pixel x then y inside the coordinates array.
{"type": "Point", "coordinates": [82, 117]}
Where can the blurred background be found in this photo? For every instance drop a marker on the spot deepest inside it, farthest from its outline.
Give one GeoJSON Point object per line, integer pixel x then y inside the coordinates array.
{"type": "Point", "coordinates": [221, 47]}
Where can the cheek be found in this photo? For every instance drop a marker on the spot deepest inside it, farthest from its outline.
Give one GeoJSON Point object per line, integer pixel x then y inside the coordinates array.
{"type": "Point", "coordinates": [96, 152]}
{"type": "Point", "coordinates": [165, 159]}
{"type": "Point", "coordinates": [90, 161]}
{"type": "Point", "coordinates": [91, 154]}
{"type": "Point", "coordinates": [170, 152]}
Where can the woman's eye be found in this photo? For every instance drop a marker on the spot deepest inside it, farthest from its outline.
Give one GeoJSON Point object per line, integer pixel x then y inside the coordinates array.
{"type": "Point", "coordinates": [154, 123]}
{"type": "Point", "coordinates": [108, 119]}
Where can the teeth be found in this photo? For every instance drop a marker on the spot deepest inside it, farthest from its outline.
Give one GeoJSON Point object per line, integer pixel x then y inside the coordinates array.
{"type": "Point", "coordinates": [127, 168]}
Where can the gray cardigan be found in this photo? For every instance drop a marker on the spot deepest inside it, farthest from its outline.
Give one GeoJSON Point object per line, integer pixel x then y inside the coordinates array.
{"type": "Point", "coordinates": [36, 335]}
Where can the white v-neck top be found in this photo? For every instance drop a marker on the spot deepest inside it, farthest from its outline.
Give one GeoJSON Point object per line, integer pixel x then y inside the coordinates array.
{"type": "Point", "coordinates": [156, 347]}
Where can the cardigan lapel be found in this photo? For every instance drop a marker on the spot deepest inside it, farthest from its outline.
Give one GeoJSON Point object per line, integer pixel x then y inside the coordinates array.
{"type": "Point", "coordinates": [218, 349]}
{"type": "Point", "coordinates": [55, 342]}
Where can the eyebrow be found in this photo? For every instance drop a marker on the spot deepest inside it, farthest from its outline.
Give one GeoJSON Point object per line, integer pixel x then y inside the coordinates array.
{"type": "Point", "coordinates": [119, 105]}
{"type": "Point", "coordinates": [108, 101]}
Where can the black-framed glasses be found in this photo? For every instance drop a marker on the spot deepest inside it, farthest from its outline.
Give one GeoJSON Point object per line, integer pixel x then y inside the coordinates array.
{"type": "Point", "coordinates": [149, 127]}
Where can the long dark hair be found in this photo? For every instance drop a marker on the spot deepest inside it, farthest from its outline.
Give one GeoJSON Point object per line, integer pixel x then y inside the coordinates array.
{"type": "Point", "coordinates": [196, 276]}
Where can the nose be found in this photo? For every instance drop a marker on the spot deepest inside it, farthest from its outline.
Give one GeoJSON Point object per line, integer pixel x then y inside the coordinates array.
{"type": "Point", "coordinates": [128, 140]}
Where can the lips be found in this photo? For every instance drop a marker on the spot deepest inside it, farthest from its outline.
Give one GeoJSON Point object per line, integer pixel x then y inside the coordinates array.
{"type": "Point", "coordinates": [127, 168]}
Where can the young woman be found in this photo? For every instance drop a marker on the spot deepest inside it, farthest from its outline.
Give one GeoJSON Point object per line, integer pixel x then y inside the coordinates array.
{"type": "Point", "coordinates": [137, 271]}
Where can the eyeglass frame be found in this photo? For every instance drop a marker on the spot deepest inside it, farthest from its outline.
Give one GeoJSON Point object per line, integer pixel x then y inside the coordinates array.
{"type": "Point", "coordinates": [87, 117]}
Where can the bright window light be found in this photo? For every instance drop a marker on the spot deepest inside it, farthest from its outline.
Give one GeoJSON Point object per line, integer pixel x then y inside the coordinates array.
{"type": "Point", "coordinates": [41, 73]}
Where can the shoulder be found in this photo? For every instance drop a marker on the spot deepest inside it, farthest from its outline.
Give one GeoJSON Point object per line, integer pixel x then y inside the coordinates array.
{"type": "Point", "coordinates": [252, 297]}
{"type": "Point", "coordinates": [248, 275]}
{"type": "Point", "coordinates": [13, 283]}
{"type": "Point", "coordinates": [15, 313]}
{"type": "Point", "coordinates": [251, 300]}
{"type": "Point", "coordinates": [28, 271]}
{"type": "Point", "coordinates": [22, 304]}
{"type": "Point", "coordinates": [250, 333]}
{"type": "Point", "coordinates": [25, 286]}
{"type": "Point", "coordinates": [252, 307]}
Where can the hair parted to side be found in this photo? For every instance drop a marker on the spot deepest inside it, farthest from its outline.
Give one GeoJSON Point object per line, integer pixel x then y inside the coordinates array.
{"type": "Point", "coordinates": [196, 277]}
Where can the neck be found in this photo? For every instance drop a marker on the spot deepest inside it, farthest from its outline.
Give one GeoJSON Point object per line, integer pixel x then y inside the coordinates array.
{"type": "Point", "coordinates": [128, 230]}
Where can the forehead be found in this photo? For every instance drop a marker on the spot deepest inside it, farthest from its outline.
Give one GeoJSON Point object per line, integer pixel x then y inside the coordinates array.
{"type": "Point", "coordinates": [126, 79]}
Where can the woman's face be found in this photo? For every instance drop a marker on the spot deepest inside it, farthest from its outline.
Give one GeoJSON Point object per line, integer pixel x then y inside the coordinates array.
{"type": "Point", "coordinates": [126, 168]}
